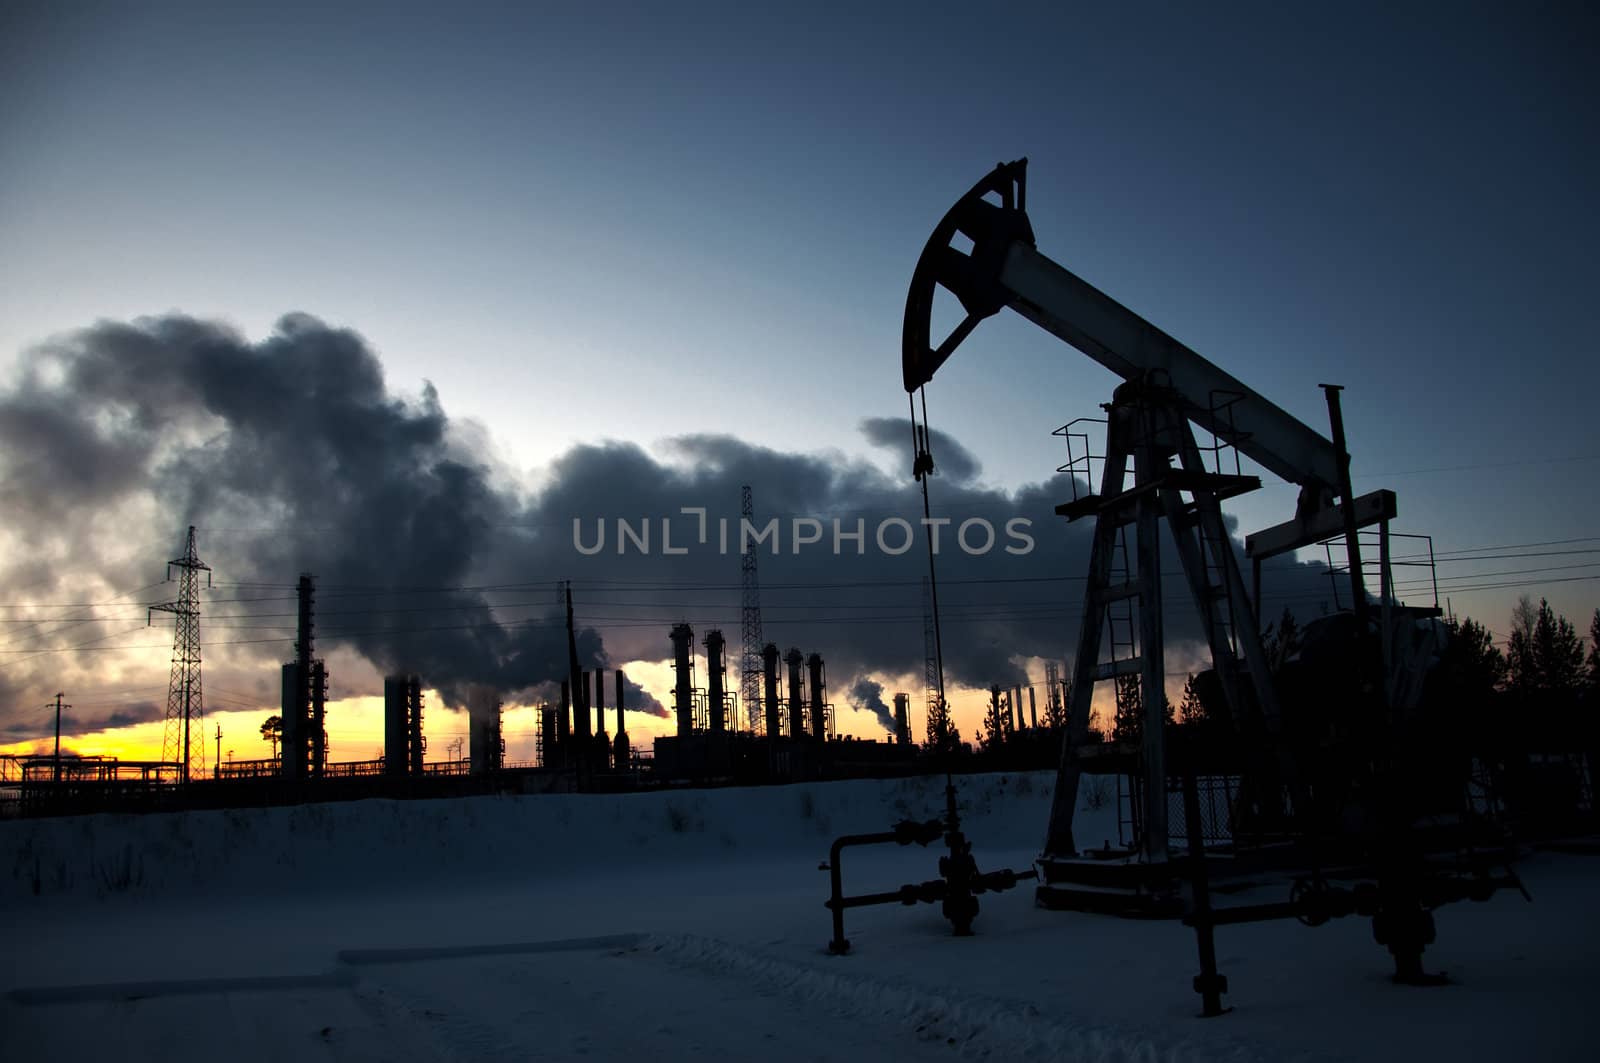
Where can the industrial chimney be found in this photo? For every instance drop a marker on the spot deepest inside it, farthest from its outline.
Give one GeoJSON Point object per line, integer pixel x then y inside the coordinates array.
{"type": "Point", "coordinates": [902, 719]}
{"type": "Point", "coordinates": [683, 669]}
{"type": "Point", "coordinates": [580, 710]}
{"type": "Point", "coordinates": [290, 735]}
{"type": "Point", "coordinates": [394, 723]}
{"type": "Point", "coordinates": [714, 675]}
{"type": "Point", "coordinates": [769, 661]}
{"type": "Point", "coordinates": [563, 726]}
{"type": "Point", "coordinates": [600, 754]}
{"type": "Point", "coordinates": [485, 749]}
{"type": "Point", "coordinates": [797, 710]}
{"type": "Point", "coordinates": [416, 744]}
{"type": "Point", "coordinates": [622, 753]}
{"type": "Point", "coordinates": [819, 700]}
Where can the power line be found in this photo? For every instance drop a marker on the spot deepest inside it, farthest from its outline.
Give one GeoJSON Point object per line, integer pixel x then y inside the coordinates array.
{"type": "Point", "coordinates": [611, 586]}
{"type": "Point", "coordinates": [216, 620]}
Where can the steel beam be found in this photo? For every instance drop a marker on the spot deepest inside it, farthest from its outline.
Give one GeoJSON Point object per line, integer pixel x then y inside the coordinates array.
{"type": "Point", "coordinates": [1125, 343]}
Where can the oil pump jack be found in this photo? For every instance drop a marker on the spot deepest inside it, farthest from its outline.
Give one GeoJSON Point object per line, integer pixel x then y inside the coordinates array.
{"type": "Point", "coordinates": [1341, 806]}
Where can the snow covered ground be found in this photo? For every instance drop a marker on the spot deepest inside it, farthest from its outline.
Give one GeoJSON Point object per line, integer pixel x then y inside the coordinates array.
{"type": "Point", "coordinates": [680, 925]}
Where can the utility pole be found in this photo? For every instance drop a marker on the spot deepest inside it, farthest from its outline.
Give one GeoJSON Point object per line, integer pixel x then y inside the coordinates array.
{"type": "Point", "coordinates": [184, 700]}
{"type": "Point", "coordinates": [56, 775]}
{"type": "Point", "coordinates": [217, 770]}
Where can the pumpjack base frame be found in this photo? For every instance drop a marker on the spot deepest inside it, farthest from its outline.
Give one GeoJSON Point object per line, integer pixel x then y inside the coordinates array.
{"type": "Point", "coordinates": [1119, 883]}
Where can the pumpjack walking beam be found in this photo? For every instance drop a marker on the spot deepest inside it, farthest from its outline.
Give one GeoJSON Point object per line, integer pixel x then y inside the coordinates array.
{"type": "Point", "coordinates": [1004, 269]}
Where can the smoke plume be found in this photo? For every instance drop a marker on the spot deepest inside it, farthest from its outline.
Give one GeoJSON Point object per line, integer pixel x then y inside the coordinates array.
{"type": "Point", "coordinates": [293, 454]}
{"type": "Point", "coordinates": [867, 695]}
{"type": "Point", "coordinates": [640, 700]}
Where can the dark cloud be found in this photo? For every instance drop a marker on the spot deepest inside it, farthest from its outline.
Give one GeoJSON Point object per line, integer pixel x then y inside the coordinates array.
{"type": "Point", "coordinates": [128, 715]}
{"type": "Point", "coordinates": [24, 726]}
{"type": "Point", "coordinates": [295, 446]}
{"type": "Point", "coordinates": [292, 454]}
{"type": "Point", "coordinates": [951, 460]}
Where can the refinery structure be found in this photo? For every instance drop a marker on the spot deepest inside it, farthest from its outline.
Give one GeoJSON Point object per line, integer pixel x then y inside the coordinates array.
{"type": "Point", "coordinates": [788, 734]}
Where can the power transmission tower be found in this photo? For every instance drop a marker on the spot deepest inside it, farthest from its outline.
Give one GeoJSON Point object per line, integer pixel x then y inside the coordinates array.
{"type": "Point", "coordinates": [750, 663]}
{"type": "Point", "coordinates": [184, 700]}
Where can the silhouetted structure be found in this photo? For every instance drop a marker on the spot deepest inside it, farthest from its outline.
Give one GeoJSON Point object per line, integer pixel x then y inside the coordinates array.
{"type": "Point", "coordinates": [486, 748]}
{"type": "Point", "coordinates": [749, 619]}
{"type": "Point", "coordinates": [797, 711]}
{"type": "Point", "coordinates": [770, 700]}
{"type": "Point", "coordinates": [1301, 777]}
{"type": "Point", "coordinates": [403, 743]}
{"type": "Point", "coordinates": [716, 703]}
{"type": "Point", "coordinates": [819, 698]}
{"type": "Point", "coordinates": [305, 691]}
{"type": "Point", "coordinates": [622, 753]}
{"type": "Point", "coordinates": [683, 675]}
{"type": "Point", "coordinates": [185, 702]}
{"type": "Point", "coordinates": [602, 741]}
{"type": "Point", "coordinates": [902, 719]}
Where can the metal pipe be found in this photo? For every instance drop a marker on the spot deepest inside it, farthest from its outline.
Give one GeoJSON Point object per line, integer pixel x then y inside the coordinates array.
{"type": "Point", "coordinates": [1386, 596]}
{"type": "Point", "coordinates": [836, 901]}
{"type": "Point", "coordinates": [1209, 984]}
{"type": "Point", "coordinates": [1346, 500]}
{"type": "Point", "coordinates": [1148, 465]}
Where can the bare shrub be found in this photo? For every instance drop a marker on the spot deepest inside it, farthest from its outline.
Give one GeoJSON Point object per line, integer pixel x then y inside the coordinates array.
{"type": "Point", "coordinates": [1096, 792]}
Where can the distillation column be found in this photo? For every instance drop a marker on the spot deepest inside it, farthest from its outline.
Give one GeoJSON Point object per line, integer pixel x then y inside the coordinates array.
{"type": "Point", "coordinates": [769, 662]}
{"type": "Point", "coordinates": [797, 710]}
{"type": "Point", "coordinates": [683, 669]}
{"type": "Point", "coordinates": [819, 700]}
{"type": "Point", "coordinates": [714, 673]}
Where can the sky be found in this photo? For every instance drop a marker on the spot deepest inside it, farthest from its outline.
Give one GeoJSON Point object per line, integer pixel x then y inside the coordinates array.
{"type": "Point", "coordinates": [573, 224]}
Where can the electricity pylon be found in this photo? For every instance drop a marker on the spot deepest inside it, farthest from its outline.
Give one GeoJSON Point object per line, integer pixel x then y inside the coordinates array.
{"type": "Point", "coordinates": [184, 701]}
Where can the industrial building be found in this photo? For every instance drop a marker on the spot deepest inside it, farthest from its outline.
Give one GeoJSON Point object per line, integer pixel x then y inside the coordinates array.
{"type": "Point", "coordinates": [786, 740]}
